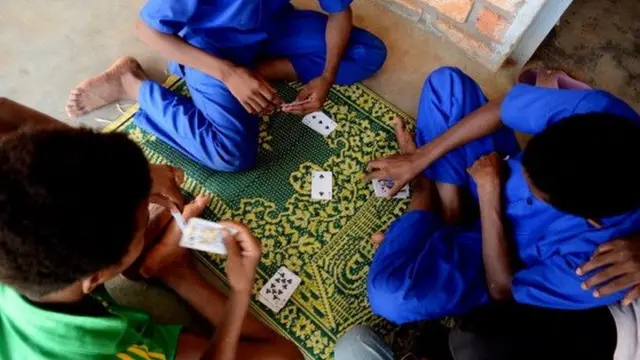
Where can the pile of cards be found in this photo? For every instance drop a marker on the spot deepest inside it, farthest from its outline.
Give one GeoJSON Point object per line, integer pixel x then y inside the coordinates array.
{"type": "Point", "coordinates": [322, 185]}
{"type": "Point", "coordinates": [320, 123]}
{"type": "Point", "coordinates": [382, 187]}
{"type": "Point", "coordinates": [204, 235]}
{"type": "Point", "coordinates": [278, 290]}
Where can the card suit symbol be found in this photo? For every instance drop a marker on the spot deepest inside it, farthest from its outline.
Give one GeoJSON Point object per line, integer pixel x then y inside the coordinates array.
{"type": "Point", "coordinates": [313, 116]}
{"type": "Point", "coordinates": [285, 286]}
{"type": "Point", "coordinates": [320, 122]}
{"type": "Point", "coordinates": [278, 281]}
{"type": "Point", "coordinates": [321, 177]}
{"type": "Point", "coordinates": [275, 297]}
{"type": "Point", "coordinates": [273, 286]}
{"type": "Point", "coordinates": [268, 291]}
{"type": "Point", "coordinates": [280, 292]}
{"type": "Point", "coordinates": [321, 193]}
{"type": "Point", "coordinates": [282, 275]}
{"type": "Point", "coordinates": [290, 281]}
{"type": "Point", "coordinates": [326, 128]}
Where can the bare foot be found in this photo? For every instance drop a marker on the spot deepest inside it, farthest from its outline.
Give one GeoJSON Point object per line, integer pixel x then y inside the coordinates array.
{"type": "Point", "coordinates": [377, 238]}
{"type": "Point", "coordinates": [168, 249]}
{"type": "Point", "coordinates": [119, 82]}
{"type": "Point", "coordinates": [405, 137]}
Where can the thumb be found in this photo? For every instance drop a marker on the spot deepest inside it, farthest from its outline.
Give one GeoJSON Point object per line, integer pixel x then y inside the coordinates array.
{"type": "Point", "coordinates": [233, 248]}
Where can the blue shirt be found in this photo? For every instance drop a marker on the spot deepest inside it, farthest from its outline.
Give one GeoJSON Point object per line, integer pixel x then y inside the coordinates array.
{"type": "Point", "coordinates": [232, 29]}
{"type": "Point", "coordinates": [553, 244]}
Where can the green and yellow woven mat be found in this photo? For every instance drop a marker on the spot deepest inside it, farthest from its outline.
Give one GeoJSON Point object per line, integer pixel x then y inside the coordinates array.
{"type": "Point", "coordinates": [325, 242]}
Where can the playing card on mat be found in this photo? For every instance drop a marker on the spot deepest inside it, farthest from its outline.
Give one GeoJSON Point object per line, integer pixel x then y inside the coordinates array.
{"type": "Point", "coordinates": [382, 188]}
{"type": "Point", "coordinates": [205, 236]}
{"type": "Point", "coordinates": [320, 123]}
{"type": "Point", "coordinates": [279, 289]}
{"type": "Point", "coordinates": [322, 185]}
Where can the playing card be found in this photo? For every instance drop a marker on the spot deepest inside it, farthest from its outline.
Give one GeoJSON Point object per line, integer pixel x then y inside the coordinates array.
{"type": "Point", "coordinates": [320, 123]}
{"type": "Point", "coordinates": [321, 185]}
{"type": "Point", "coordinates": [382, 188]}
{"type": "Point", "coordinates": [279, 289]}
{"type": "Point", "coordinates": [205, 236]}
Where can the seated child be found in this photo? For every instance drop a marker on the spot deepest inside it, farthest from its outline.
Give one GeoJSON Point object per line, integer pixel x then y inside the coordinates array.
{"type": "Point", "coordinates": [74, 214]}
{"type": "Point", "coordinates": [571, 190]}
{"type": "Point", "coordinates": [228, 51]}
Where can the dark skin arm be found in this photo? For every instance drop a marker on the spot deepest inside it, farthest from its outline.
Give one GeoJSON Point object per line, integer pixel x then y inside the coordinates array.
{"type": "Point", "coordinates": [314, 94]}
{"type": "Point", "coordinates": [619, 262]}
{"type": "Point", "coordinates": [498, 266]}
{"type": "Point", "coordinates": [402, 168]}
{"type": "Point", "coordinates": [254, 93]}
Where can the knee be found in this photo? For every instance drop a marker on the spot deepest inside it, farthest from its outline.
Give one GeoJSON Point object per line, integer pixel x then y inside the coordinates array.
{"type": "Point", "coordinates": [385, 295]}
{"type": "Point", "coordinates": [377, 53]}
{"type": "Point", "coordinates": [360, 343]}
{"type": "Point", "coordinates": [443, 75]}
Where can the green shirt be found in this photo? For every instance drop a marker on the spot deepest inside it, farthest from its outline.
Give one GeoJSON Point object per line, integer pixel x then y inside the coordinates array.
{"type": "Point", "coordinates": [29, 332]}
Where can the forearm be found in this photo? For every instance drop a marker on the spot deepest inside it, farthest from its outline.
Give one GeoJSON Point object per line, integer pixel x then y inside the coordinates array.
{"type": "Point", "coordinates": [225, 342]}
{"type": "Point", "coordinates": [482, 122]}
{"type": "Point", "coordinates": [210, 302]}
{"type": "Point", "coordinates": [338, 34]}
{"type": "Point", "coordinates": [175, 48]}
{"type": "Point", "coordinates": [495, 248]}
{"type": "Point", "coordinates": [14, 117]}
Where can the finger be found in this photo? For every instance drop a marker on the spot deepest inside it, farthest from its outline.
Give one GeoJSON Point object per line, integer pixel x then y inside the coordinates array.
{"type": "Point", "coordinates": [255, 106]}
{"type": "Point", "coordinates": [232, 245]}
{"type": "Point", "coordinates": [304, 95]}
{"type": "Point", "coordinates": [604, 276]}
{"type": "Point", "coordinates": [379, 174]}
{"type": "Point", "coordinates": [300, 108]}
{"type": "Point", "coordinates": [598, 262]}
{"type": "Point", "coordinates": [162, 200]}
{"type": "Point", "coordinates": [270, 94]}
{"type": "Point", "coordinates": [377, 164]}
{"type": "Point", "coordinates": [261, 100]}
{"type": "Point", "coordinates": [610, 246]}
{"type": "Point", "coordinates": [395, 189]}
{"type": "Point", "coordinates": [618, 284]}
{"type": "Point", "coordinates": [632, 296]}
{"type": "Point", "coordinates": [247, 106]}
{"type": "Point", "coordinates": [178, 175]}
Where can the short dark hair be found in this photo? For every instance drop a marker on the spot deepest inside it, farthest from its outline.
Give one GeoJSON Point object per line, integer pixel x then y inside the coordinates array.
{"type": "Point", "coordinates": [587, 164]}
{"type": "Point", "coordinates": [69, 200]}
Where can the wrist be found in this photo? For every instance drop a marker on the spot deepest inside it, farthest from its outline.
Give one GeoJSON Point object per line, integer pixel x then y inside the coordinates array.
{"type": "Point", "coordinates": [227, 71]}
{"type": "Point", "coordinates": [329, 75]}
{"type": "Point", "coordinates": [241, 294]}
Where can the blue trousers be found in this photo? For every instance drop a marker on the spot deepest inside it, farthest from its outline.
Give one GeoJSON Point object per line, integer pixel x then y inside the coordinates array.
{"type": "Point", "coordinates": [212, 127]}
{"type": "Point", "coordinates": [425, 268]}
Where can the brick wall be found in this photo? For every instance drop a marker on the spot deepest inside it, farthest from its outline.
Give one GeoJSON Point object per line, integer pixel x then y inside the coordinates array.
{"type": "Point", "coordinates": [486, 29]}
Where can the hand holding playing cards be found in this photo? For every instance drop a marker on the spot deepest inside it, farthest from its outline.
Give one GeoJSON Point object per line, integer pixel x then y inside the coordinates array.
{"type": "Point", "coordinates": [312, 96]}
{"type": "Point", "coordinates": [255, 94]}
{"type": "Point", "coordinates": [399, 169]}
{"type": "Point", "coordinates": [165, 186]}
{"type": "Point", "coordinates": [243, 257]}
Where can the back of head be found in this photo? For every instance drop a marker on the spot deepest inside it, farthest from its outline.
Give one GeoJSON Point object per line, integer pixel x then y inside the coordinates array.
{"type": "Point", "coordinates": [587, 165]}
{"type": "Point", "coordinates": [69, 200]}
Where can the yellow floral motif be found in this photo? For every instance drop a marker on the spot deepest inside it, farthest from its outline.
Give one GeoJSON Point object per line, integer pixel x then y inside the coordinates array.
{"type": "Point", "coordinates": [326, 243]}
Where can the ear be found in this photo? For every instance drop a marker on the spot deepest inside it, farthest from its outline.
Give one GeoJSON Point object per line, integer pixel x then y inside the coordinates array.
{"type": "Point", "coordinates": [595, 223]}
{"type": "Point", "coordinates": [91, 282]}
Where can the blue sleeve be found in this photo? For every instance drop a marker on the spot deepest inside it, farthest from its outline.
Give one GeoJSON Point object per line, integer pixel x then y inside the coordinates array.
{"type": "Point", "coordinates": [168, 16]}
{"type": "Point", "coordinates": [555, 284]}
{"type": "Point", "coordinates": [531, 109]}
{"type": "Point", "coordinates": [335, 6]}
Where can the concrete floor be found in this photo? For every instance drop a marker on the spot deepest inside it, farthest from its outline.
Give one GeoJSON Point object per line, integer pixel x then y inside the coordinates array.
{"type": "Point", "coordinates": [50, 46]}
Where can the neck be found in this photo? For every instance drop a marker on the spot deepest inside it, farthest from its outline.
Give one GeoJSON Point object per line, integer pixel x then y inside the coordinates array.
{"type": "Point", "coordinates": [71, 294]}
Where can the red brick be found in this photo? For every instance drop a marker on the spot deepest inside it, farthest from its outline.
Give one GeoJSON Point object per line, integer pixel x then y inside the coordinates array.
{"type": "Point", "coordinates": [464, 40]}
{"type": "Point", "coordinates": [492, 24]}
{"type": "Point", "coordinates": [457, 10]}
{"type": "Point", "coordinates": [507, 5]}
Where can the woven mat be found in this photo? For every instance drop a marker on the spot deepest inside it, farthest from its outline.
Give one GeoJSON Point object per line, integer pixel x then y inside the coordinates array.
{"type": "Point", "coordinates": [325, 243]}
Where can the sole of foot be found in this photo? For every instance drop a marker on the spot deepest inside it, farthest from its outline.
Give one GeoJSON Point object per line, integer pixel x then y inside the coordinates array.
{"type": "Point", "coordinates": [116, 83]}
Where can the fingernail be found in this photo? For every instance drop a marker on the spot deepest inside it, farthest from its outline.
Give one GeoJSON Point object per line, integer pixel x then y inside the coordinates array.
{"type": "Point", "coordinates": [626, 302]}
{"type": "Point", "coordinates": [579, 271]}
{"type": "Point", "coordinates": [583, 286]}
{"type": "Point", "coordinates": [596, 294]}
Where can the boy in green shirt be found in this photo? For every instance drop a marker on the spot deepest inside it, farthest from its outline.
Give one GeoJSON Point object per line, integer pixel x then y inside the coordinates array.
{"type": "Point", "coordinates": [66, 228]}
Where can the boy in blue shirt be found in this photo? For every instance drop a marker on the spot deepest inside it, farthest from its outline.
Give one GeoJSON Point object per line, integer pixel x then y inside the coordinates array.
{"type": "Point", "coordinates": [228, 51]}
{"type": "Point", "coordinates": [571, 190]}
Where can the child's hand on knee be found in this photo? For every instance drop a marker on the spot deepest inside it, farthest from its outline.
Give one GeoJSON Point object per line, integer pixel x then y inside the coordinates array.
{"type": "Point", "coordinates": [487, 171]}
